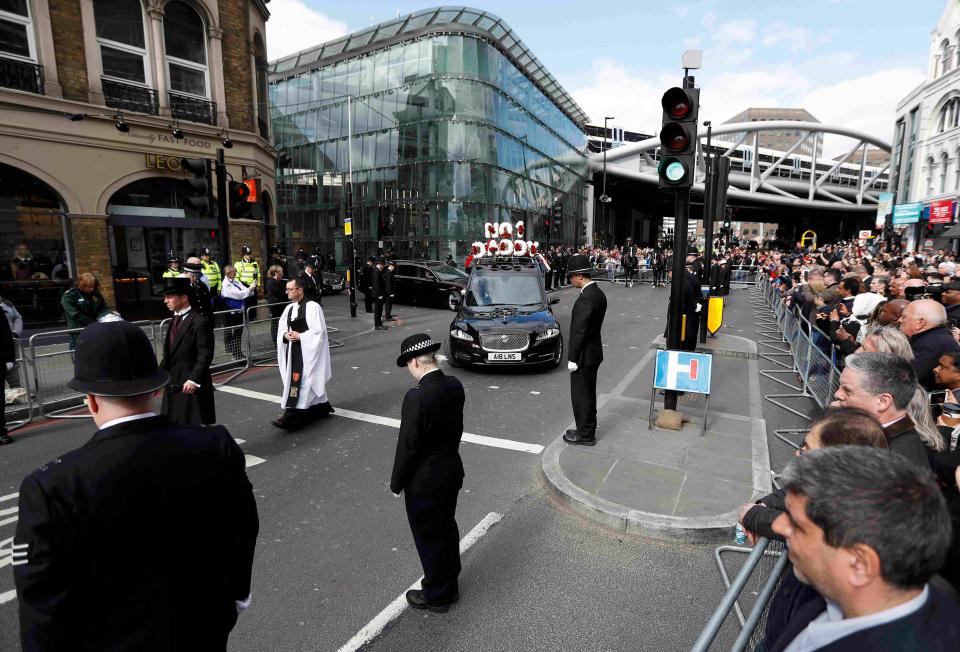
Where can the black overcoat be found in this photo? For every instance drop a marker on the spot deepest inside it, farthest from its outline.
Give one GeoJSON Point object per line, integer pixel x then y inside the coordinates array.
{"type": "Point", "coordinates": [141, 539]}
{"type": "Point", "coordinates": [586, 322]}
{"type": "Point", "coordinates": [189, 358]}
{"type": "Point", "coordinates": [427, 460]}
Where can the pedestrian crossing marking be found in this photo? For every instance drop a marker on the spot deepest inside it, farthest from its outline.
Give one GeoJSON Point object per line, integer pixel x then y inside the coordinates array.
{"type": "Point", "coordinates": [481, 440]}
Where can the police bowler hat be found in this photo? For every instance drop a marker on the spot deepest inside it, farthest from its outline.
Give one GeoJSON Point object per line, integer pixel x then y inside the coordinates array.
{"type": "Point", "coordinates": [415, 345]}
{"type": "Point", "coordinates": [116, 359]}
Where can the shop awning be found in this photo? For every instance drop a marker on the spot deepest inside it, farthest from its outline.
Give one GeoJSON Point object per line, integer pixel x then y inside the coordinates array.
{"type": "Point", "coordinates": [953, 233]}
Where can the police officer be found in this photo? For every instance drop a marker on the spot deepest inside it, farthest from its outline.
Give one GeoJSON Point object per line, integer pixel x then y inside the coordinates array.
{"type": "Point", "coordinates": [278, 258]}
{"type": "Point", "coordinates": [366, 284]}
{"type": "Point", "coordinates": [390, 281]}
{"type": "Point", "coordinates": [173, 267]}
{"type": "Point", "coordinates": [142, 538]}
{"type": "Point", "coordinates": [428, 470]}
{"type": "Point", "coordinates": [585, 351]}
{"type": "Point", "coordinates": [200, 298]}
{"type": "Point", "coordinates": [378, 289]}
{"type": "Point", "coordinates": [211, 269]}
{"type": "Point", "coordinates": [248, 273]}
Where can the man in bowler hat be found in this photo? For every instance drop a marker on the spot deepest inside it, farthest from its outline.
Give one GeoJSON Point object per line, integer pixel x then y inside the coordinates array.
{"type": "Point", "coordinates": [585, 351]}
{"type": "Point", "coordinates": [187, 354]}
{"type": "Point", "coordinates": [142, 538]}
{"type": "Point", "coordinates": [428, 470]}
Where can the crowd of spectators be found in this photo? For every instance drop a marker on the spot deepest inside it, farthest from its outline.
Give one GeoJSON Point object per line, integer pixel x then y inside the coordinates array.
{"type": "Point", "coordinates": [870, 508]}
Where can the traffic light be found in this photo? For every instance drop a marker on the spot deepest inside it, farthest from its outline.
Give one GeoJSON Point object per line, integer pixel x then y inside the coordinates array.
{"type": "Point", "coordinates": [199, 187]}
{"type": "Point", "coordinates": [678, 137]}
{"type": "Point", "coordinates": [239, 194]}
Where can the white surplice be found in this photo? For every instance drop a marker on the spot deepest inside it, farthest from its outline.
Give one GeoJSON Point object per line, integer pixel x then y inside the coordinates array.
{"type": "Point", "coordinates": [315, 348]}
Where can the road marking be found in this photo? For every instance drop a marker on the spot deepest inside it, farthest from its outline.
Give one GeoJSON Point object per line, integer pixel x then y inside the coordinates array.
{"type": "Point", "coordinates": [494, 387]}
{"type": "Point", "coordinates": [532, 392]}
{"type": "Point", "coordinates": [240, 441]}
{"type": "Point", "coordinates": [376, 626]}
{"type": "Point", "coordinates": [10, 510]}
{"type": "Point", "coordinates": [9, 497]}
{"type": "Point", "coordinates": [253, 460]}
{"type": "Point", "coordinates": [7, 521]}
{"type": "Point", "coordinates": [7, 596]}
{"type": "Point", "coordinates": [481, 440]}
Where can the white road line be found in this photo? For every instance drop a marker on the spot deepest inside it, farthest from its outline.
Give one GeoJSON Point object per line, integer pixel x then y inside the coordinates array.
{"type": "Point", "coordinates": [399, 605]}
{"type": "Point", "coordinates": [7, 596]}
{"type": "Point", "coordinates": [253, 460]}
{"type": "Point", "coordinates": [240, 441]}
{"type": "Point", "coordinates": [9, 497]}
{"type": "Point", "coordinates": [9, 510]}
{"type": "Point", "coordinates": [481, 440]}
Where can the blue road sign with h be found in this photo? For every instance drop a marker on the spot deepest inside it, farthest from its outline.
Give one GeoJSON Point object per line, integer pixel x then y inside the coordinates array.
{"type": "Point", "coordinates": [683, 371]}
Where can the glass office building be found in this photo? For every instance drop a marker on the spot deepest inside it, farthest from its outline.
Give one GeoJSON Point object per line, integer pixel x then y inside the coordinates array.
{"type": "Point", "coordinates": [439, 121]}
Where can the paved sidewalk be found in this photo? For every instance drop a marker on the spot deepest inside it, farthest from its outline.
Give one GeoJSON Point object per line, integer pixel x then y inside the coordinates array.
{"type": "Point", "coordinates": [682, 485]}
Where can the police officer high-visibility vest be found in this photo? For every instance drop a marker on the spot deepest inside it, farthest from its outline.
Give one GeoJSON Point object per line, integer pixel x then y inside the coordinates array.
{"type": "Point", "coordinates": [171, 273]}
{"type": "Point", "coordinates": [212, 271]}
{"type": "Point", "coordinates": [247, 273]}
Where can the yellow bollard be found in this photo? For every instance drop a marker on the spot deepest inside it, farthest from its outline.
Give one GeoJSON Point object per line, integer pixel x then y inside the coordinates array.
{"type": "Point", "coordinates": [714, 315]}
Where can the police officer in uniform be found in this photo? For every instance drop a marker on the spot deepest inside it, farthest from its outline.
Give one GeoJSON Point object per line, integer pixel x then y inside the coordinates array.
{"type": "Point", "coordinates": [248, 273]}
{"type": "Point", "coordinates": [142, 538]}
{"type": "Point", "coordinates": [585, 351]}
{"type": "Point", "coordinates": [428, 470]}
{"type": "Point", "coordinates": [211, 269]}
{"type": "Point", "coordinates": [173, 267]}
{"type": "Point", "coordinates": [200, 298]}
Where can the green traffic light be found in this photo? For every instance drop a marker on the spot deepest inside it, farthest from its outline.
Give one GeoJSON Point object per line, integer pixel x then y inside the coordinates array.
{"type": "Point", "coordinates": [673, 170]}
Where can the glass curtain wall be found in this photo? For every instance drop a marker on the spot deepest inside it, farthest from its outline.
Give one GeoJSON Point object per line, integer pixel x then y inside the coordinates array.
{"type": "Point", "coordinates": [446, 134]}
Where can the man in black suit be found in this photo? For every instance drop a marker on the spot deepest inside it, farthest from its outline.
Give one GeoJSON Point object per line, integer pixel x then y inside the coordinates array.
{"type": "Point", "coordinates": [378, 290]}
{"type": "Point", "coordinates": [366, 284]}
{"type": "Point", "coordinates": [312, 284]}
{"type": "Point", "coordinates": [585, 351]}
{"type": "Point", "coordinates": [142, 538]}
{"type": "Point", "coordinates": [690, 309]}
{"type": "Point", "coordinates": [187, 353]}
{"type": "Point", "coordinates": [390, 283]}
{"type": "Point", "coordinates": [428, 470]}
{"type": "Point", "coordinates": [868, 530]}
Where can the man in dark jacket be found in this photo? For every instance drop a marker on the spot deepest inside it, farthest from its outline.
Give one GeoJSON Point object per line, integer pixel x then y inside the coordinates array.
{"type": "Point", "coordinates": [882, 385]}
{"type": "Point", "coordinates": [390, 283]}
{"type": "Point", "coordinates": [378, 290]}
{"type": "Point", "coordinates": [585, 351]}
{"type": "Point", "coordinates": [428, 470]}
{"type": "Point", "coordinates": [924, 322]}
{"type": "Point", "coordinates": [7, 357]}
{"type": "Point", "coordinates": [868, 530]}
{"type": "Point", "coordinates": [691, 308]}
{"type": "Point", "coordinates": [312, 283]}
{"type": "Point", "coordinates": [83, 304]}
{"type": "Point", "coordinates": [366, 284]}
{"type": "Point", "coordinates": [142, 538]}
{"type": "Point", "coordinates": [187, 354]}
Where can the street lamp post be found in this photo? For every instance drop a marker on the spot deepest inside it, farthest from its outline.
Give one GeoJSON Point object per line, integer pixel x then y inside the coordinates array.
{"type": "Point", "coordinates": [604, 197]}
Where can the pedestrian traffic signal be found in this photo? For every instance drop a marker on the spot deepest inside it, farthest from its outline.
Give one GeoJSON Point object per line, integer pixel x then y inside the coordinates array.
{"type": "Point", "coordinates": [200, 187]}
{"type": "Point", "coordinates": [239, 196]}
{"type": "Point", "coordinates": [678, 137]}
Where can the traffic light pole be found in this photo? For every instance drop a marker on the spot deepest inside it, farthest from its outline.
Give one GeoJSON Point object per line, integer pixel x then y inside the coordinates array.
{"type": "Point", "coordinates": [222, 218]}
{"type": "Point", "coordinates": [677, 283]}
{"type": "Point", "coordinates": [709, 210]}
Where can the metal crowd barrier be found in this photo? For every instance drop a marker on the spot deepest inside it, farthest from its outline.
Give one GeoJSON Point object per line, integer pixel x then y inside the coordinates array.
{"type": "Point", "coordinates": [752, 626]}
{"type": "Point", "coordinates": [243, 339]}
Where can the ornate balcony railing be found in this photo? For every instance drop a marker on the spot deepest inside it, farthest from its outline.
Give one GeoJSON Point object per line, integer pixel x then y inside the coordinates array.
{"type": "Point", "coordinates": [184, 107]}
{"type": "Point", "coordinates": [127, 97]}
{"type": "Point", "coordinates": [21, 76]}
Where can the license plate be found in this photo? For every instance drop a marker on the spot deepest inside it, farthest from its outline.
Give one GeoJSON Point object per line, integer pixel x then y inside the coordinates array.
{"type": "Point", "coordinates": [503, 357]}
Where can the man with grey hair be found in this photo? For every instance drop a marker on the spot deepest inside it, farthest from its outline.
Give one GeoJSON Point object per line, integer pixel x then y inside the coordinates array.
{"type": "Point", "coordinates": [924, 322]}
{"type": "Point", "coordinates": [867, 530]}
{"type": "Point", "coordinates": [882, 385]}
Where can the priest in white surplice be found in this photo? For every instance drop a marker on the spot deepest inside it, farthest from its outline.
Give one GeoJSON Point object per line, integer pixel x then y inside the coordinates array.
{"type": "Point", "coordinates": [303, 355]}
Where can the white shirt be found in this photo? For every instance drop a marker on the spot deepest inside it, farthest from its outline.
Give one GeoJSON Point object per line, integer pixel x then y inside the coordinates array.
{"type": "Point", "coordinates": [585, 285]}
{"type": "Point", "coordinates": [233, 289]}
{"type": "Point", "coordinates": [830, 625]}
{"type": "Point", "coordinates": [182, 313]}
{"type": "Point", "coordinates": [133, 417]}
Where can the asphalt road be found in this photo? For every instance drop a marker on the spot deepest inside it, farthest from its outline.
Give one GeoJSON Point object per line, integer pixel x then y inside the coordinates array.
{"type": "Point", "coordinates": [335, 549]}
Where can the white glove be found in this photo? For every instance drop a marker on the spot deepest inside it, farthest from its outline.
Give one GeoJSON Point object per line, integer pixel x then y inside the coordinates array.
{"type": "Point", "coordinates": [699, 306]}
{"type": "Point", "coordinates": [243, 605]}
{"type": "Point", "coordinates": [572, 366]}
{"type": "Point", "coordinates": [9, 366]}
{"type": "Point", "coordinates": [396, 495]}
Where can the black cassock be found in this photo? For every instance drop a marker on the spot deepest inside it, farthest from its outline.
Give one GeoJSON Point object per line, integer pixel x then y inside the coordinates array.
{"type": "Point", "coordinates": [586, 350]}
{"type": "Point", "coordinates": [141, 539]}
{"type": "Point", "coordinates": [428, 470]}
{"type": "Point", "coordinates": [187, 354]}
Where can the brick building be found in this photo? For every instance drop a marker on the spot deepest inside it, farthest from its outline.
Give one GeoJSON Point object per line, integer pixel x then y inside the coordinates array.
{"type": "Point", "coordinates": [94, 126]}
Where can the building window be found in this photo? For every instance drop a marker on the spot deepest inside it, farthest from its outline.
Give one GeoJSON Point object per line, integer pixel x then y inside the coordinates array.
{"type": "Point", "coordinates": [929, 176]}
{"type": "Point", "coordinates": [946, 56]}
{"type": "Point", "coordinates": [944, 162]}
{"type": "Point", "coordinates": [185, 39]}
{"type": "Point", "coordinates": [16, 31]}
{"type": "Point", "coordinates": [120, 35]}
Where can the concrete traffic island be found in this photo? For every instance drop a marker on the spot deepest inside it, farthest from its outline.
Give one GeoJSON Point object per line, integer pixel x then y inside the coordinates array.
{"type": "Point", "coordinates": [725, 346]}
{"type": "Point", "coordinates": [683, 485]}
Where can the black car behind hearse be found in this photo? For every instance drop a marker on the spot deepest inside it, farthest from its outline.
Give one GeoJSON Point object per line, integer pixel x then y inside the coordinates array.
{"type": "Point", "coordinates": [428, 283]}
{"type": "Point", "coordinates": [505, 317]}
